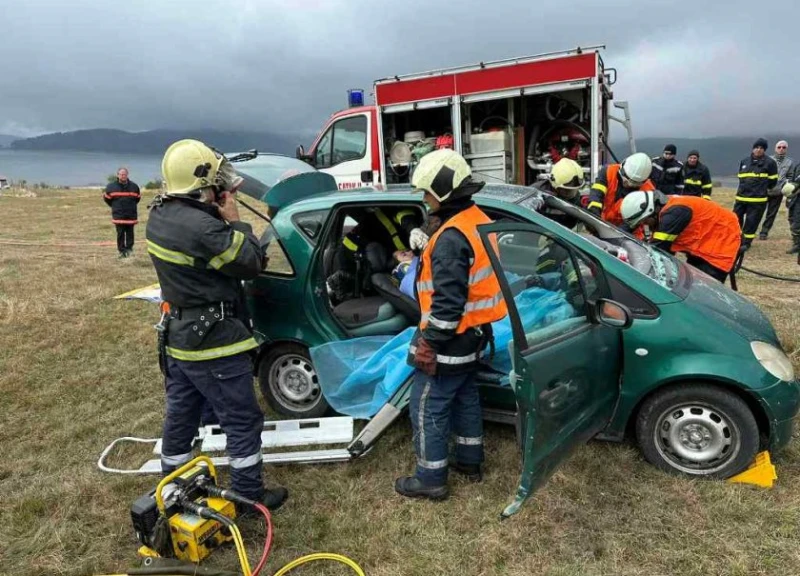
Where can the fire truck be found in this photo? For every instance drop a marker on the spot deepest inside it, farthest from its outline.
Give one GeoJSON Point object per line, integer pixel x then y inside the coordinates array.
{"type": "Point", "coordinates": [511, 119]}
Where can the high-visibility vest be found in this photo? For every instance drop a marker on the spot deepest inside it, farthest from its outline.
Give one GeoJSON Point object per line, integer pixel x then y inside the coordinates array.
{"type": "Point", "coordinates": [611, 206]}
{"type": "Point", "coordinates": [712, 234]}
{"type": "Point", "coordinates": [485, 302]}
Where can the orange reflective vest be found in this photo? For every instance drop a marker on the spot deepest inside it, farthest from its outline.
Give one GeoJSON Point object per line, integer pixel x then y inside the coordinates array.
{"type": "Point", "coordinates": [485, 302]}
{"type": "Point", "coordinates": [611, 206]}
{"type": "Point", "coordinates": [712, 234]}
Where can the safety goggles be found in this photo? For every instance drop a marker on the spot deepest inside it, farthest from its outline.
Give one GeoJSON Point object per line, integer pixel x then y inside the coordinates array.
{"type": "Point", "coordinates": [631, 183]}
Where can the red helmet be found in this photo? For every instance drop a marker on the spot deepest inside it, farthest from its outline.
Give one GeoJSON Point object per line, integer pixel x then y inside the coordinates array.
{"type": "Point", "coordinates": [445, 141]}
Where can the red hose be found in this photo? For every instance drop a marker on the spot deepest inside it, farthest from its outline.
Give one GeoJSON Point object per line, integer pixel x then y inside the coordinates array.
{"type": "Point", "coordinates": [268, 543]}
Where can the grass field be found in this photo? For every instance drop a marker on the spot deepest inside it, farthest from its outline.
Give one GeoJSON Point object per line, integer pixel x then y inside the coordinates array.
{"type": "Point", "coordinates": [78, 369]}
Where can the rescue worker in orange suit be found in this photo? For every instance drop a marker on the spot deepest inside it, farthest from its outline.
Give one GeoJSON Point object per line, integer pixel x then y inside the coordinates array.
{"type": "Point", "coordinates": [123, 196]}
{"type": "Point", "coordinates": [758, 174]}
{"type": "Point", "coordinates": [615, 182]}
{"type": "Point", "coordinates": [708, 233]}
{"type": "Point", "coordinates": [459, 297]}
{"type": "Point", "coordinates": [202, 251]}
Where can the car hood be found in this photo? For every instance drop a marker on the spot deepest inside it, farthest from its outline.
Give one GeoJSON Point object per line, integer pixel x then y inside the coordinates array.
{"type": "Point", "coordinates": [735, 312]}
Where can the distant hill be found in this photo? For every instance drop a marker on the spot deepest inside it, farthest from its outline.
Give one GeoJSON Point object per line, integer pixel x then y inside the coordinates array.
{"type": "Point", "coordinates": [720, 154]}
{"type": "Point", "coordinates": [155, 141]}
{"type": "Point", "coordinates": [6, 139]}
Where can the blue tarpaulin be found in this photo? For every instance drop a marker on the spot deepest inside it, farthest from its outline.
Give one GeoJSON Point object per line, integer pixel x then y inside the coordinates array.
{"type": "Point", "coordinates": [358, 376]}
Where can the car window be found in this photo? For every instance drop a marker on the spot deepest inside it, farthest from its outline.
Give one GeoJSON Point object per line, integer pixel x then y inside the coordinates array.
{"type": "Point", "coordinates": [277, 260]}
{"type": "Point", "coordinates": [322, 156]}
{"type": "Point", "coordinates": [344, 141]}
{"type": "Point", "coordinates": [310, 223]}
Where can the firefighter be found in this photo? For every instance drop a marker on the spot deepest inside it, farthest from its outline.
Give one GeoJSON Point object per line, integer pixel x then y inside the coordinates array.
{"type": "Point", "coordinates": [123, 196]}
{"type": "Point", "coordinates": [696, 177]}
{"type": "Point", "coordinates": [708, 233]}
{"type": "Point", "coordinates": [667, 173]}
{"type": "Point", "coordinates": [758, 174]}
{"type": "Point", "coordinates": [201, 252]}
{"type": "Point", "coordinates": [785, 167]}
{"type": "Point", "coordinates": [792, 192]}
{"type": "Point", "coordinates": [616, 181]}
{"type": "Point", "coordinates": [459, 297]}
{"type": "Point", "coordinates": [395, 229]}
{"type": "Point", "coordinates": [565, 181]}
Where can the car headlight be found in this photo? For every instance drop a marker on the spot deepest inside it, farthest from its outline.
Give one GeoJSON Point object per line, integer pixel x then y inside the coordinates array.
{"type": "Point", "coordinates": [774, 360]}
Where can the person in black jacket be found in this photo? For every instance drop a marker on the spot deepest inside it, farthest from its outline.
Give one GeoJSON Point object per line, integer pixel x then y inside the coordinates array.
{"type": "Point", "coordinates": [123, 195]}
{"type": "Point", "coordinates": [758, 174]}
{"type": "Point", "coordinates": [667, 174]}
{"type": "Point", "coordinates": [202, 251]}
{"type": "Point", "coordinates": [696, 177]}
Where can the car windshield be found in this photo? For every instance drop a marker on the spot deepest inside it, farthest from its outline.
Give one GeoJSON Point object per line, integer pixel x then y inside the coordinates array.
{"type": "Point", "coordinates": [269, 169]}
{"type": "Point", "coordinates": [652, 262]}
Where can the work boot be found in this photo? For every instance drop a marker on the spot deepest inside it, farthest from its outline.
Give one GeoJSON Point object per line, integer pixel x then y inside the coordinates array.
{"type": "Point", "coordinates": [412, 487]}
{"type": "Point", "coordinates": [762, 236]}
{"type": "Point", "coordinates": [793, 250]}
{"type": "Point", "coordinates": [272, 499]}
{"type": "Point", "coordinates": [472, 472]}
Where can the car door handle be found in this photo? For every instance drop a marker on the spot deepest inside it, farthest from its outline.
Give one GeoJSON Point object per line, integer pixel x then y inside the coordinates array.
{"type": "Point", "coordinates": [556, 395]}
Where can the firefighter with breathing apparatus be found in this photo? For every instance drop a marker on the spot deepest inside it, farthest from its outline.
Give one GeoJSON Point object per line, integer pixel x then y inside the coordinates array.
{"type": "Point", "coordinates": [459, 297]}
{"type": "Point", "coordinates": [615, 182]}
{"type": "Point", "coordinates": [202, 252]}
{"type": "Point", "coordinates": [708, 233]}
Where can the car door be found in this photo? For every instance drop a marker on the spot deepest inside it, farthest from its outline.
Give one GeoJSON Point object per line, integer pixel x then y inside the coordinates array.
{"type": "Point", "coordinates": [342, 151]}
{"type": "Point", "coordinates": [565, 363]}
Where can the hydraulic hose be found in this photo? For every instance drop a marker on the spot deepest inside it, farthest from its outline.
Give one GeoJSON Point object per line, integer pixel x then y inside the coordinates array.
{"type": "Point", "coordinates": [321, 556]}
{"type": "Point", "coordinates": [772, 276]}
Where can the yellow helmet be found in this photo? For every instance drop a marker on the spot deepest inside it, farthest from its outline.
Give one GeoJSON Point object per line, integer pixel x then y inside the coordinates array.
{"type": "Point", "coordinates": [567, 174]}
{"type": "Point", "coordinates": [189, 166]}
{"type": "Point", "coordinates": [443, 172]}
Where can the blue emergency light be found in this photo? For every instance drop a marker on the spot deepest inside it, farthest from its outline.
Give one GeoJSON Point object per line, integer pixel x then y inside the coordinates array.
{"type": "Point", "coordinates": [355, 97]}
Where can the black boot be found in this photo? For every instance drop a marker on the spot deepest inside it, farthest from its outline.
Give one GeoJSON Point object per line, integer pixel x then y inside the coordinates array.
{"type": "Point", "coordinates": [793, 250]}
{"type": "Point", "coordinates": [411, 487]}
{"type": "Point", "coordinates": [471, 472]}
{"type": "Point", "coordinates": [272, 499]}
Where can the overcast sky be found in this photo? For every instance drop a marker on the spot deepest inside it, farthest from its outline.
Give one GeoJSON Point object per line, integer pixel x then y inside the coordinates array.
{"type": "Point", "coordinates": [693, 69]}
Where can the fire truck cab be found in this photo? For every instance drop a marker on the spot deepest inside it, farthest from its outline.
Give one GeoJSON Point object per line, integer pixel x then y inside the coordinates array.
{"type": "Point", "coordinates": [511, 119]}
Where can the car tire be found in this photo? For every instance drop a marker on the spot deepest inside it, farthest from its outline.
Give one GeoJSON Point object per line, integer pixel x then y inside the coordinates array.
{"type": "Point", "coordinates": [699, 430]}
{"type": "Point", "coordinates": [289, 382]}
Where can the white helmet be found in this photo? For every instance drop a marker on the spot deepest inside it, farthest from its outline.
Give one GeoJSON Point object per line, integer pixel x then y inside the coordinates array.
{"type": "Point", "coordinates": [639, 205]}
{"type": "Point", "coordinates": [636, 169]}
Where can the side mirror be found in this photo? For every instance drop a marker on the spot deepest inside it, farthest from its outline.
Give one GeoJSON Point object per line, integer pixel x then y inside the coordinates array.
{"type": "Point", "coordinates": [613, 314]}
{"type": "Point", "coordinates": [300, 152]}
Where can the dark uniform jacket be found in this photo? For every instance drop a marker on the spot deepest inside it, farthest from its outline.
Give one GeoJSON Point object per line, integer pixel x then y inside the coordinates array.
{"type": "Point", "coordinates": [200, 261]}
{"type": "Point", "coordinates": [697, 180]}
{"type": "Point", "coordinates": [123, 199]}
{"type": "Point", "coordinates": [757, 176]}
{"type": "Point", "coordinates": [451, 261]}
{"type": "Point", "coordinates": [667, 175]}
{"type": "Point", "coordinates": [553, 213]}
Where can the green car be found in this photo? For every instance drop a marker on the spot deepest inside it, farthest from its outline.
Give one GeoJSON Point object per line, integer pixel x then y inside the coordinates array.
{"type": "Point", "coordinates": [655, 348]}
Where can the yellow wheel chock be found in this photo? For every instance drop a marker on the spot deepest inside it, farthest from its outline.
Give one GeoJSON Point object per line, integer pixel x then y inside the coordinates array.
{"type": "Point", "coordinates": [761, 472]}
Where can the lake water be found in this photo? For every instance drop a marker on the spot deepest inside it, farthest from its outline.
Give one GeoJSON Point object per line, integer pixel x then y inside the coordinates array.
{"type": "Point", "coordinates": [75, 168]}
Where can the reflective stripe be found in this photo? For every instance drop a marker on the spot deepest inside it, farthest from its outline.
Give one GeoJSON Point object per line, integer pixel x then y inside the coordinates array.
{"type": "Point", "coordinates": [452, 360]}
{"type": "Point", "coordinates": [402, 214]}
{"type": "Point", "coordinates": [748, 199]}
{"type": "Point", "coordinates": [481, 274]}
{"type": "Point", "coordinates": [706, 196]}
{"type": "Point", "coordinates": [171, 256]}
{"type": "Point", "coordinates": [594, 204]}
{"type": "Point", "coordinates": [426, 286]}
{"type": "Point", "coordinates": [481, 304]}
{"type": "Point", "coordinates": [756, 175]}
{"type": "Point", "coordinates": [421, 416]}
{"type": "Point", "coordinates": [679, 186]}
{"type": "Point", "coordinates": [773, 177]}
{"type": "Point", "coordinates": [709, 185]}
{"type": "Point", "coordinates": [432, 464]}
{"type": "Point", "coordinates": [349, 244]}
{"type": "Point", "coordinates": [473, 441]}
{"type": "Point", "coordinates": [211, 353]}
{"type": "Point", "coordinates": [664, 236]}
{"type": "Point", "coordinates": [693, 182]}
{"type": "Point", "coordinates": [600, 187]}
{"type": "Point", "coordinates": [658, 167]}
{"type": "Point", "coordinates": [572, 277]}
{"type": "Point", "coordinates": [749, 236]}
{"type": "Point", "coordinates": [230, 254]}
{"type": "Point", "coordinates": [674, 169]}
{"type": "Point", "coordinates": [443, 325]}
{"type": "Point", "coordinates": [391, 229]}
{"type": "Point", "coordinates": [247, 461]}
{"type": "Point", "coordinates": [545, 264]}
{"type": "Point", "coordinates": [177, 460]}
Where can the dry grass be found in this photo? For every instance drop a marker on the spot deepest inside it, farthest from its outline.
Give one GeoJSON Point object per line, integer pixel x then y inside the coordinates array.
{"type": "Point", "coordinates": [78, 369]}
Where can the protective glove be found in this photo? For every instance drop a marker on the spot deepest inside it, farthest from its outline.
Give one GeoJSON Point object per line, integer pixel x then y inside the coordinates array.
{"type": "Point", "coordinates": [788, 189]}
{"type": "Point", "coordinates": [425, 357]}
{"type": "Point", "coordinates": [535, 202]}
{"type": "Point", "coordinates": [418, 240]}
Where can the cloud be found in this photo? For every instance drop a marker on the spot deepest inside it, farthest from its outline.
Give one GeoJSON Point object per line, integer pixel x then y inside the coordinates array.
{"type": "Point", "coordinates": [283, 65]}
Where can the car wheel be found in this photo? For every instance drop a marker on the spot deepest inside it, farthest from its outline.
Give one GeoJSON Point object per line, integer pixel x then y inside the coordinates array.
{"type": "Point", "coordinates": [289, 382]}
{"type": "Point", "coordinates": [698, 430]}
